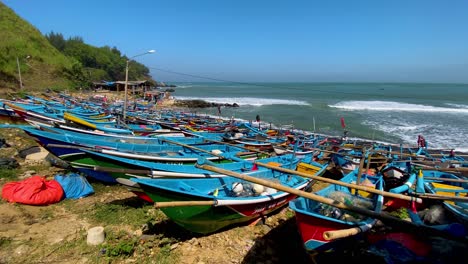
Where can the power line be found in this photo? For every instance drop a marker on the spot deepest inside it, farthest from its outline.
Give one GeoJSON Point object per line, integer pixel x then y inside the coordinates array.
{"type": "Point", "coordinates": [269, 86]}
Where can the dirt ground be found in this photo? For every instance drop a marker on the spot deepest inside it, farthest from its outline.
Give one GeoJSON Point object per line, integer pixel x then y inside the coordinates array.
{"type": "Point", "coordinates": [57, 233]}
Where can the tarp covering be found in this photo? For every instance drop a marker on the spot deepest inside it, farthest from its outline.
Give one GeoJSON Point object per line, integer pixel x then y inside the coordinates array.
{"type": "Point", "coordinates": [74, 185]}
{"type": "Point", "coordinates": [33, 191]}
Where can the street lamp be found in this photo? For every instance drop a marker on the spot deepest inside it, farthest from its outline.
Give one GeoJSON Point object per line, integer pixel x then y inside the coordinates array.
{"type": "Point", "coordinates": [126, 81]}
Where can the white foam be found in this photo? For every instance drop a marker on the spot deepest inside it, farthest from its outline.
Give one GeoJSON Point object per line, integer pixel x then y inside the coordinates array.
{"type": "Point", "coordinates": [396, 106]}
{"type": "Point", "coordinates": [184, 86]}
{"type": "Point", "coordinates": [458, 105]}
{"type": "Point", "coordinates": [245, 100]}
{"type": "Point", "coordinates": [437, 135]}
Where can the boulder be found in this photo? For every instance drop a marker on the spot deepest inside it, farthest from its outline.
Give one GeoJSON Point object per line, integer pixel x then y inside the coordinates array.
{"type": "Point", "coordinates": [8, 163]}
{"type": "Point", "coordinates": [95, 236]}
{"type": "Point", "coordinates": [37, 157]}
{"type": "Point", "coordinates": [28, 151]}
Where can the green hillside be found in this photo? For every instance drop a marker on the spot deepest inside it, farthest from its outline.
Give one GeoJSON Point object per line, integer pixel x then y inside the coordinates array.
{"type": "Point", "coordinates": [52, 61]}
{"type": "Point", "coordinates": [41, 64]}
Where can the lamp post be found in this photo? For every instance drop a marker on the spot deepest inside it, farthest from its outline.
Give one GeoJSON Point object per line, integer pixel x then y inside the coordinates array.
{"type": "Point", "coordinates": [126, 81]}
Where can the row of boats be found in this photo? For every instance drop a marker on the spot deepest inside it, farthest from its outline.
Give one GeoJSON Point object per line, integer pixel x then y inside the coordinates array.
{"type": "Point", "coordinates": [208, 174]}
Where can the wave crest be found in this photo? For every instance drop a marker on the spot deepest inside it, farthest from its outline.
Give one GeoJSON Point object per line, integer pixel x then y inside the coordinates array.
{"type": "Point", "coordinates": [396, 106]}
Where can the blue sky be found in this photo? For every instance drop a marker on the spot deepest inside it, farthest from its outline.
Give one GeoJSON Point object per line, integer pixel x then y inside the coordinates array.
{"type": "Point", "coordinates": [269, 41]}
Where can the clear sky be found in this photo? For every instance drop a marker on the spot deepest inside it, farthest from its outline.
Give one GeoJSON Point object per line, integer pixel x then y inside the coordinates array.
{"type": "Point", "coordinates": [257, 40]}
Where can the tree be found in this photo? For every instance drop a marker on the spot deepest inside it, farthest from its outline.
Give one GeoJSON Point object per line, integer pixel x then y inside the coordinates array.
{"type": "Point", "coordinates": [103, 62]}
{"type": "Point", "coordinates": [57, 40]}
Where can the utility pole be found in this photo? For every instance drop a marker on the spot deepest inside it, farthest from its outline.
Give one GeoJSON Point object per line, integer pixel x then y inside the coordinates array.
{"type": "Point", "coordinates": [19, 73]}
{"type": "Point", "coordinates": [126, 82]}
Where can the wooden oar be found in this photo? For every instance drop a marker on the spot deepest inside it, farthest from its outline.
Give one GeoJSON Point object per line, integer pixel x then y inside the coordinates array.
{"type": "Point", "coordinates": [442, 197]}
{"type": "Point", "coordinates": [334, 152]}
{"type": "Point", "coordinates": [194, 148]}
{"type": "Point", "coordinates": [335, 234]}
{"type": "Point", "coordinates": [121, 170]}
{"type": "Point", "coordinates": [440, 155]}
{"type": "Point", "coordinates": [446, 179]}
{"type": "Point", "coordinates": [95, 148]}
{"type": "Point", "coordinates": [453, 170]}
{"type": "Point", "coordinates": [385, 217]}
{"type": "Point", "coordinates": [434, 161]}
{"type": "Point", "coordinates": [361, 167]}
{"type": "Point", "coordinates": [350, 185]}
{"type": "Point", "coordinates": [229, 144]}
{"type": "Point", "coordinates": [414, 155]}
{"type": "Point", "coordinates": [238, 146]}
{"type": "Point", "coordinates": [397, 153]}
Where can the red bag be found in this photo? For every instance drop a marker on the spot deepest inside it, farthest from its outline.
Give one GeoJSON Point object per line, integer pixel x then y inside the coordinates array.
{"type": "Point", "coordinates": [34, 191]}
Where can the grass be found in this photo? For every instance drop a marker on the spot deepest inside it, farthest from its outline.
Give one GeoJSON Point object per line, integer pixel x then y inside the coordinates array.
{"type": "Point", "coordinates": [119, 243]}
{"type": "Point", "coordinates": [289, 213]}
{"type": "Point", "coordinates": [120, 217]}
{"type": "Point", "coordinates": [46, 213]}
{"type": "Point", "coordinates": [9, 174]}
{"type": "Point", "coordinates": [20, 39]}
{"type": "Point", "coordinates": [122, 214]}
{"type": "Point", "coordinates": [5, 242]}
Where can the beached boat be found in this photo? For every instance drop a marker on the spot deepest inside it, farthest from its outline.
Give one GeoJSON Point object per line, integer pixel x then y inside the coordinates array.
{"type": "Point", "coordinates": [63, 145]}
{"type": "Point", "coordinates": [443, 183]}
{"type": "Point", "coordinates": [315, 219]}
{"type": "Point", "coordinates": [106, 126]}
{"type": "Point", "coordinates": [106, 167]}
{"type": "Point", "coordinates": [111, 140]}
{"type": "Point", "coordinates": [233, 201]}
{"type": "Point", "coordinates": [64, 128]}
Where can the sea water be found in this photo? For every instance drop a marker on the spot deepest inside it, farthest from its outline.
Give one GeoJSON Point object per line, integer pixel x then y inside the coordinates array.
{"type": "Point", "coordinates": [390, 112]}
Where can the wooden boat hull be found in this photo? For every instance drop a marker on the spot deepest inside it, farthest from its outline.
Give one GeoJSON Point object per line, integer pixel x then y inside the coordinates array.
{"type": "Point", "coordinates": [227, 212]}
{"type": "Point", "coordinates": [313, 221]}
{"type": "Point", "coordinates": [108, 166]}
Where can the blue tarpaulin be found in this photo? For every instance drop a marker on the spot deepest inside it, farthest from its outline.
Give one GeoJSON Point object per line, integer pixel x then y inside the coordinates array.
{"type": "Point", "coordinates": [74, 185]}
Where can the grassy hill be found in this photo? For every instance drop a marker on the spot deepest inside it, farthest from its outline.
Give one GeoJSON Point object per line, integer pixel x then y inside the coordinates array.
{"type": "Point", "coordinates": [42, 65]}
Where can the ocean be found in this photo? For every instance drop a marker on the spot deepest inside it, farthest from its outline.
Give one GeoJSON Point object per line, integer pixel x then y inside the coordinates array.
{"type": "Point", "coordinates": [390, 112]}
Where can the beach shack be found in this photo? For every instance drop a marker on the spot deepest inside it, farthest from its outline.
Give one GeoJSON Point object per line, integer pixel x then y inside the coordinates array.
{"type": "Point", "coordinates": [133, 86]}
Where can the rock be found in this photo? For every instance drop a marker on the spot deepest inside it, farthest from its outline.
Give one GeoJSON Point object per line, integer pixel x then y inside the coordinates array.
{"type": "Point", "coordinates": [174, 246]}
{"type": "Point", "coordinates": [8, 163]}
{"type": "Point", "coordinates": [95, 236]}
{"type": "Point", "coordinates": [54, 161]}
{"type": "Point", "coordinates": [4, 144]}
{"type": "Point", "coordinates": [201, 104]}
{"type": "Point", "coordinates": [146, 237]}
{"type": "Point", "coordinates": [27, 174]}
{"type": "Point", "coordinates": [28, 151]}
{"type": "Point", "coordinates": [37, 157]}
{"type": "Point", "coordinates": [138, 233]}
{"type": "Point", "coordinates": [21, 250]}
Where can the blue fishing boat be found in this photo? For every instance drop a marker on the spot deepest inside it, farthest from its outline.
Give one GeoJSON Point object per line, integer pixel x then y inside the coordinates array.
{"type": "Point", "coordinates": [63, 145]}
{"type": "Point", "coordinates": [448, 184]}
{"type": "Point", "coordinates": [120, 167]}
{"type": "Point", "coordinates": [315, 219]}
{"type": "Point", "coordinates": [229, 200]}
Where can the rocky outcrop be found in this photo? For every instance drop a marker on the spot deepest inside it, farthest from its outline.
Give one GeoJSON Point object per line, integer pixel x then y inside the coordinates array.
{"type": "Point", "coordinates": [201, 104]}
